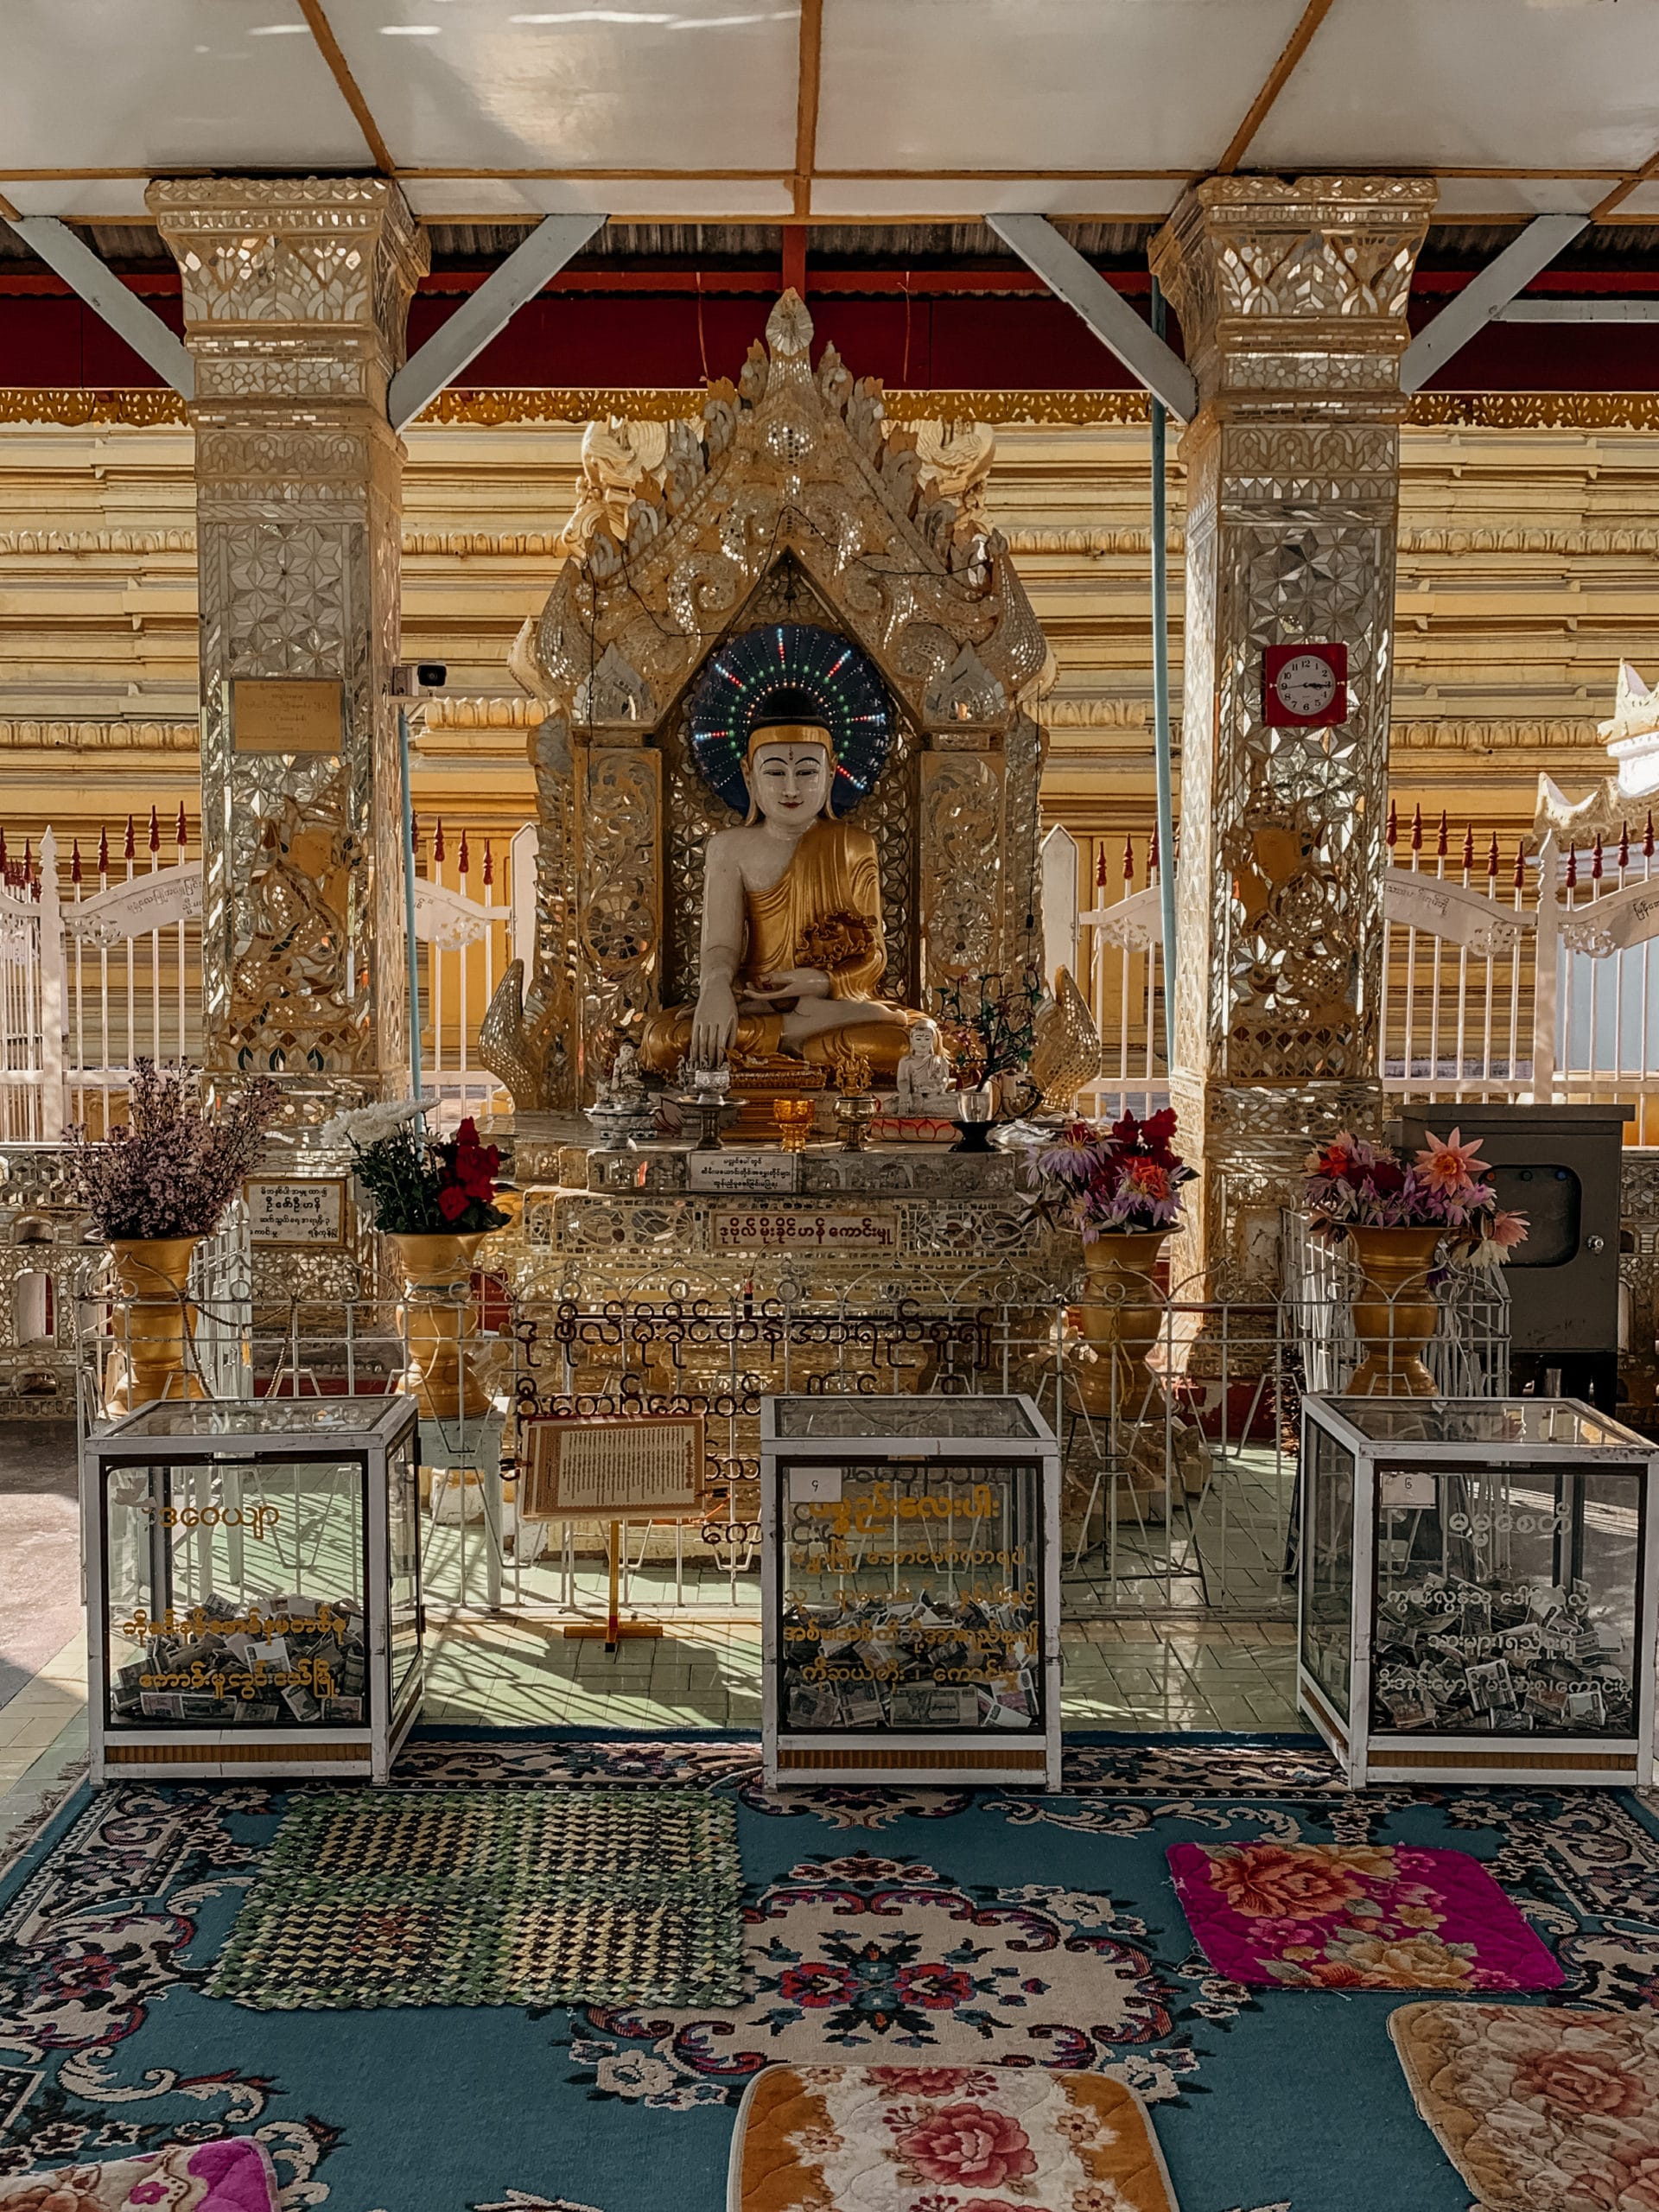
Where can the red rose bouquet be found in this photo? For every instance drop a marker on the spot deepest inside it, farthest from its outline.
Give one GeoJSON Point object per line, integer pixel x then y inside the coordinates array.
{"type": "Point", "coordinates": [421, 1186]}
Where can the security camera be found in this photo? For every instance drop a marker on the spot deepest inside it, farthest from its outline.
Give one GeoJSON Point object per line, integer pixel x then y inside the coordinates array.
{"type": "Point", "coordinates": [411, 679]}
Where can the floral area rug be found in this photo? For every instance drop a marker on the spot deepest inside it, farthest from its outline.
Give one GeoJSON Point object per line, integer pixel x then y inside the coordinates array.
{"type": "Point", "coordinates": [904, 1926]}
{"type": "Point", "coordinates": [565, 1896]}
{"type": "Point", "coordinates": [882, 2138]}
{"type": "Point", "coordinates": [1539, 2106]}
{"type": "Point", "coordinates": [1357, 1915]}
{"type": "Point", "coordinates": [228, 2176]}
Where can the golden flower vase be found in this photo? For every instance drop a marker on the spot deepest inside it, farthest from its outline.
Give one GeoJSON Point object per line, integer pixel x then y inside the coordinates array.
{"type": "Point", "coordinates": [1122, 1313]}
{"type": "Point", "coordinates": [154, 1325]}
{"type": "Point", "coordinates": [440, 1319]}
{"type": "Point", "coordinates": [1394, 1311]}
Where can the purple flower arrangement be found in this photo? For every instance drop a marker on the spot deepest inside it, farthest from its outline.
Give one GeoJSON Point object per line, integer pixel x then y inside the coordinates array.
{"type": "Point", "coordinates": [171, 1168]}
{"type": "Point", "coordinates": [1354, 1185]}
{"type": "Point", "coordinates": [1100, 1182]}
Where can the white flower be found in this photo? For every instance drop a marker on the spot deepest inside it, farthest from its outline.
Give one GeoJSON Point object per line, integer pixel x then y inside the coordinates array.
{"type": "Point", "coordinates": [636, 2075]}
{"type": "Point", "coordinates": [366, 1125]}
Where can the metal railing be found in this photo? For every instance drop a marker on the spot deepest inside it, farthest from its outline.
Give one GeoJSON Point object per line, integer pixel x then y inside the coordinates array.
{"type": "Point", "coordinates": [100, 964]}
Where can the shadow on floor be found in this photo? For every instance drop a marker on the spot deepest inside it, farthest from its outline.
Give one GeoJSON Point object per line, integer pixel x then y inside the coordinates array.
{"type": "Point", "coordinates": [39, 1548]}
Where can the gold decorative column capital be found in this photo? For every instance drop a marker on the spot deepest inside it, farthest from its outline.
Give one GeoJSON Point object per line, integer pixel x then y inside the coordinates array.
{"type": "Point", "coordinates": [1292, 289]}
{"type": "Point", "coordinates": [314, 275]}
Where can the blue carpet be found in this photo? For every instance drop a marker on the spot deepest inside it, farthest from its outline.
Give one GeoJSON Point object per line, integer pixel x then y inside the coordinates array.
{"type": "Point", "coordinates": [897, 1925]}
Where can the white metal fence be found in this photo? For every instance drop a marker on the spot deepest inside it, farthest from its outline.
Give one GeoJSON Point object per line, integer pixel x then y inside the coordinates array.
{"type": "Point", "coordinates": [100, 964]}
{"type": "Point", "coordinates": [1506, 974]}
{"type": "Point", "coordinates": [1524, 975]}
{"type": "Point", "coordinates": [1113, 947]}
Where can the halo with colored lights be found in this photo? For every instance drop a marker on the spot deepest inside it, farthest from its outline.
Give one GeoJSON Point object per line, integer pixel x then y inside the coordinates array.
{"type": "Point", "coordinates": [790, 672]}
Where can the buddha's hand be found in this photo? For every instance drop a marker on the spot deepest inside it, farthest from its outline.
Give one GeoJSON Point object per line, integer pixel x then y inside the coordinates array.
{"type": "Point", "coordinates": [794, 984]}
{"type": "Point", "coordinates": [714, 1025]}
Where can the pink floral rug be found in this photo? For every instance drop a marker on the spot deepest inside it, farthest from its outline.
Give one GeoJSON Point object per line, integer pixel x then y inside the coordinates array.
{"type": "Point", "coordinates": [234, 2175]}
{"type": "Point", "coordinates": [950, 2139]}
{"type": "Point", "coordinates": [1536, 2106]}
{"type": "Point", "coordinates": [1355, 1916]}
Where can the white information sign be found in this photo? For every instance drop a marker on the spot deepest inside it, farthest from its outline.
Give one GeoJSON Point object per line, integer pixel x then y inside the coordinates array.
{"type": "Point", "coordinates": [742, 1171]}
{"type": "Point", "coordinates": [310, 1210]}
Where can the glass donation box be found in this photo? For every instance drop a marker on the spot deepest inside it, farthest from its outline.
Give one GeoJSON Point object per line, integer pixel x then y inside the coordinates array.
{"type": "Point", "coordinates": [1476, 1590]}
{"type": "Point", "coordinates": [253, 1588]}
{"type": "Point", "coordinates": [910, 1587]}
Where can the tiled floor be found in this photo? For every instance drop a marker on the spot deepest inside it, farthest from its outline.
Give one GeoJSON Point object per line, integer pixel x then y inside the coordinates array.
{"type": "Point", "coordinates": [513, 1673]}
{"type": "Point", "coordinates": [51, 1703]}
{"type": "Point", "coordinates": [1118, 1674]}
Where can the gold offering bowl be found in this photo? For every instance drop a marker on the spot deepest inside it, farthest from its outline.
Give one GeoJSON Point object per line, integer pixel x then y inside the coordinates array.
{"type": "Point", "coordinates": [794, 1118]}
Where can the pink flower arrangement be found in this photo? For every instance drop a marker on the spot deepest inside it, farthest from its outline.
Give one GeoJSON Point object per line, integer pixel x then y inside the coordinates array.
{"type": "Point", "coordinates": [171, 1168]}
{"type": "Point", "coordinates": [1354, 1185]}
{"type": "Point", "coordinates": [1102, 1181]}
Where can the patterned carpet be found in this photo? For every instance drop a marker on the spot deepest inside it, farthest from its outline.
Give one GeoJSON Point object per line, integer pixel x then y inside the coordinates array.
{"type": "Point", "coordinates": [908, 1927]}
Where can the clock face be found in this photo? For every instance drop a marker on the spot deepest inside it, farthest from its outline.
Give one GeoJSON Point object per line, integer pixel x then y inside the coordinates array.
{"type": "Point", "coordinates": [1306, 685]}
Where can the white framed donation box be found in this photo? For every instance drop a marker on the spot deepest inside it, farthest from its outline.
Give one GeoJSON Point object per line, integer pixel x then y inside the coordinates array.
{"type": "Point", "coordinates": [253, 1588]}
{"type": "Point", "coordinates": [1477, 1591]}
{"type": "Point", "coordinates": [910, 1608]}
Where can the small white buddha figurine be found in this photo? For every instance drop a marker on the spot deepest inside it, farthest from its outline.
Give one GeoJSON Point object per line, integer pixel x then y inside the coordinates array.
{"type": "Point", "coordinates": [627, 1085]}
{"type": "Point", "coordinates": [923, 1078]}
{"type": "Point", "coordinates": [792, 940]}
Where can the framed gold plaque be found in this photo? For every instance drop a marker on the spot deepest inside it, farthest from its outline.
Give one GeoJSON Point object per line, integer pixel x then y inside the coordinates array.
{"type": "Point", "coordinates": [287, 714]}
{"type": "Point", "coordinates": [649, 1465]}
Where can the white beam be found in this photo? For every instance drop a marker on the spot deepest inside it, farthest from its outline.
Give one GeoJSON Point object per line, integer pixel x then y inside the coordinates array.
{"type": "Point", "coordinates": [95, 282]}
{"type": "Point", "coordinates": [1482, 298]}
{"type": "Point", "coordinates": [1107, 313]}
{"type": "Point", "coordinates": [491, 307]}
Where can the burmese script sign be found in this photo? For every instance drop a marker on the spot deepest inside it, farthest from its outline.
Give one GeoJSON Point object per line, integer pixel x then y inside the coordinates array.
{"type": "Point", "coordinates": [304, 1210]}
{"type": "Point", "coordinates": [826, 1229]}
{"type": "Point", "coordinates": [288, 714]}
{"type": "Point", "coordinates": [742, 1171]}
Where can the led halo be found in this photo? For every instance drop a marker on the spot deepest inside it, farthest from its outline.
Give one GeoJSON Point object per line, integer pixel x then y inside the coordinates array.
{"type": "Point", "coordinates": [790, 672]}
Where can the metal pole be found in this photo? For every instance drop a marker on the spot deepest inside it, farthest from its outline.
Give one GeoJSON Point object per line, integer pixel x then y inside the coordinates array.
{"type": "Point", "coordinates": [409, 908]}
{"type": "Point", "coordinates": [1160, 698]}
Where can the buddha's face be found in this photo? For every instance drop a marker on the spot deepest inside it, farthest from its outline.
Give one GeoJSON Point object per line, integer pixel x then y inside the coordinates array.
{"type": "Point", "coordinates": [790, 782]}
{"type": "Point", "coordinates": [925, 1039]}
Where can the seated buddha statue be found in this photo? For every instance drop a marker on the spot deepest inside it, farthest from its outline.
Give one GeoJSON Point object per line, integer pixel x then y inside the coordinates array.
{"type": "Point", "coordinates": [792, 945]}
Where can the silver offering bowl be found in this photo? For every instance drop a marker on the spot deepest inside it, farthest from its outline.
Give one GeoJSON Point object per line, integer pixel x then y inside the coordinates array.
{"type": "Point", "coordinates": [973, 1116]}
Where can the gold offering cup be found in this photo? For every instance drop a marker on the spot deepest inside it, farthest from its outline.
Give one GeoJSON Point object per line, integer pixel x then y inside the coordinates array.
{"type": "Point", "coordinates": [794, 1118]}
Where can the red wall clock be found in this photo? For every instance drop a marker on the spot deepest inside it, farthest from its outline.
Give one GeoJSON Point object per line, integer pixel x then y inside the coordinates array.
{"type": "Point", "coordinates": [1304, 686]}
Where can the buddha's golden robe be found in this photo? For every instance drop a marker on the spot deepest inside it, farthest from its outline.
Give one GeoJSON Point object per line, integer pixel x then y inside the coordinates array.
{"type": "Point", "coordinates": [832, 880]}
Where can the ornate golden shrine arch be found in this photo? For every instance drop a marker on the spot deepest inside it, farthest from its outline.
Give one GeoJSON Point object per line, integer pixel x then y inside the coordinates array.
{"type": "Point", "coordinates": [790, 498]}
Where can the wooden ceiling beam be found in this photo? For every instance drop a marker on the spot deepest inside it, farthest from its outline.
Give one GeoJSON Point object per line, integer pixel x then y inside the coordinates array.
{"type": "Point", "coordinates": [341, 70]}
{"type": "Point", "coordinates": [809, 72]}
{"type": "Point", "coordinates": [1277, 77]}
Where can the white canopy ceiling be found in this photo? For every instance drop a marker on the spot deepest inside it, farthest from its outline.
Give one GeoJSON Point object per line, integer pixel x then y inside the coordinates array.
{"type": "Point", "coordinates": [843, 110]}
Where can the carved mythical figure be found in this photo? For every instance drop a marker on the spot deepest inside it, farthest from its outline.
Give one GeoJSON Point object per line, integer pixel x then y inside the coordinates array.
{"type": "Point", "coordinates": [792, 941]}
